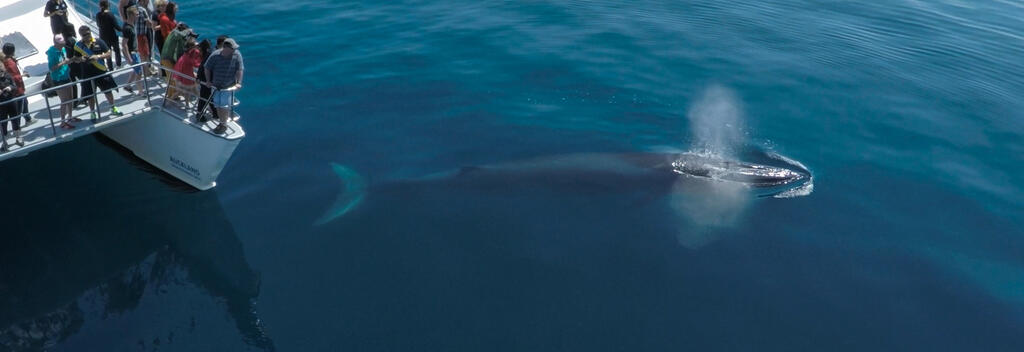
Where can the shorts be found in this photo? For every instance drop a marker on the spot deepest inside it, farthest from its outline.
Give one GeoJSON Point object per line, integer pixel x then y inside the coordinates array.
{"type": "Point", "coordinates": [103, 82]}
{"type": "Point", "coordinates": [144, 46]}
{"type": "Point", "coordinates": [134, 59]}
{"type": "Point", "coordinates": [222, 99]}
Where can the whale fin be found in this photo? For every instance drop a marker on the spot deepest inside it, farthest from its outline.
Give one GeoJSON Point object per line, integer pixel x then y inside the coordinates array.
{"type": "Point", "coordinates": [352, 193]}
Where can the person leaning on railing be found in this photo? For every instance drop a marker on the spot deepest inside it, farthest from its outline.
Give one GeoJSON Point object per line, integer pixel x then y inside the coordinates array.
{"type": "Point", "coordinates": [60, 74]}
{"type": "Point", "coordinates": [224, 70]}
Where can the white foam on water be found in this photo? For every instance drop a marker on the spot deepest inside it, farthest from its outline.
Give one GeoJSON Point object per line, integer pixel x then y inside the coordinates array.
{"type": "Point", "coordinates": [804, 189]}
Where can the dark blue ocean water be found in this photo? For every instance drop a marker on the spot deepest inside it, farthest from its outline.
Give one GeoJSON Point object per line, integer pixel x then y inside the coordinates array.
{"type": "Point", "coordinates": [908, 113]}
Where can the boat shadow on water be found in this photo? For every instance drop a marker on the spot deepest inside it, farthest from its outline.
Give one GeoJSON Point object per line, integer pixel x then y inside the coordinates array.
{"type": "Point", "coordinates": [92, 237]}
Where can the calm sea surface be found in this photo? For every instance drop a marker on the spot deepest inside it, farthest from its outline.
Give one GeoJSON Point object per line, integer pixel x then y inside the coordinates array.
{"type": "Point", "coordinates": [910, 114]}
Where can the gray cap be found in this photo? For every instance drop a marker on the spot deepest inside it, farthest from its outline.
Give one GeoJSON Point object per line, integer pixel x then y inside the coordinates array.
{"type": "Point", "coordinates": [231, 42]}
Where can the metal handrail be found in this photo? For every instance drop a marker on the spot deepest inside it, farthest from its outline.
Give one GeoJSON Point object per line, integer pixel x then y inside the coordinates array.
{"type": "Point", "coordinates": [92, 7]}
{"type": "Point", "coordinates": [89, 8]}
{"type": "Point", "coordinates": [49, 107]}
{"type": "Point", "coordinates": [213, 89]}
{"type": "Point", "coordinates": [146, 94]}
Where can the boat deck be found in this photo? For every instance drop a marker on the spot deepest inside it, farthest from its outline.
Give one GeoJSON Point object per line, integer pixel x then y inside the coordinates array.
{"type": "Point", "coordinates": [45, 129]}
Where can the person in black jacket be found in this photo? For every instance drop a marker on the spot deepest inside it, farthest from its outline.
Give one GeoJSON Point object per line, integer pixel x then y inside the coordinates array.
{"type": "Point", "coordinates": [7, 91]}
{"type": "Point", "coordinates": [57, 11]}
{"type": "Point", "coordinates": [108, 32]}
{"type": "Point", "coordinates": [203, 104]}
{"type": "Point", "coordinates": [75, 64]}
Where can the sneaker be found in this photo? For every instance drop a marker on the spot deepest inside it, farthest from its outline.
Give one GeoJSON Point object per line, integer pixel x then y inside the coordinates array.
{"type": "Point", "coordinates": [93, 117]}
{"type": "Point", "coordinates": [20, 142]}
{"type": "Point", "coordinates": [115, 112]}
{"type": "Point", "coordinates": [29, 121]}
{"type": "Point", "coordinates": [129, 89]}
{"type": "Point", "coordinates": [3, 148]}
{"type": "Point", "coordinates": [221, 128]}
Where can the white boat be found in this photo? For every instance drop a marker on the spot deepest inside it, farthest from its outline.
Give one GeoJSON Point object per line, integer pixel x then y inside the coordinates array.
{"type": "Point", "coordinates": [163, 132]}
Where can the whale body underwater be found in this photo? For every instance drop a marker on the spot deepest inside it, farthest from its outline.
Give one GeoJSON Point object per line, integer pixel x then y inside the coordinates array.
{"type": "Point", "coordinates": [768, 175]}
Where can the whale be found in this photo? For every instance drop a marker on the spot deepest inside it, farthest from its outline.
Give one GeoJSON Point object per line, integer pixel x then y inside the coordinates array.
{"type": "Point", "coordinates": [768, 175]}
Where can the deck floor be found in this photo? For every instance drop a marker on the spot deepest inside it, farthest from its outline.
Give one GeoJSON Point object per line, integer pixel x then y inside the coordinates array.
{"type": "Point", "coordinates": [45, 129]}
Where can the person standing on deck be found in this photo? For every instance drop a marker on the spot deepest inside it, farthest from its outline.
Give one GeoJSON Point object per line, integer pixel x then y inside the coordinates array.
{"type": "Point", "coordinates": [129, 44]}
{"type": "Point", "coordinates": [58, 61]}
{"type": "Point", "coordinates": [57, 11]}
{"type": "Point", "coordinates": [94, 51]}
{"type": "Point", "coordinates": [109, 27]}
{"type": "Point", "coordinates": [158, 35]}
{"type": "Point", "coordinates": [203, 104]}
{"type": "Point", "coordinates": [75, 65]}
{"type": "Point", "coordinates": [186, 65]}
{"type": "Point", "coordinates": [7, 90]}
{"type": "Point", "coordinates": [174, 47]}
{"type": "Point", "coordinates": [144, 29]}
{"type": "Point", "coordinates": [168, 19]}
{"type": "Point", "coordinates": [11, 63]}
{"type": "Point", "coordinates": [224, 70]}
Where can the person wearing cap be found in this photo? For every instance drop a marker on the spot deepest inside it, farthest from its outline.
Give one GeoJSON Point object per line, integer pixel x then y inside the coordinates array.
{"type": "Point", "coordinates": [94, 71]}
{"type": "Point", "coordinates": [58, 61]}
{"type": "Point", "coordinates": [224, 70]}
{"type": "Point", "coordinates": [174, 47]}
{"type": "Point", "coordinates": [11, 63]}
{"type": "Point", "coordinates": [57, 11]}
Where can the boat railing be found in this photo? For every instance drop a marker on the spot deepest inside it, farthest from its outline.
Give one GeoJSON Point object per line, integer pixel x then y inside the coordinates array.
{"type": "Point", "coordinates": [91, 8]}
{"type": "Point", "coordinates": [151, 89]}
{"type": "Point", "coordinates": [199, 99]}
{"type": "Point", "coordinates": [49, 107]}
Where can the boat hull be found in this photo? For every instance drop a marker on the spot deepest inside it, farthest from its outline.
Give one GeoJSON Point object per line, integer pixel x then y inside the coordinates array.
{"type": "Point", "coordinates": [177, 147]}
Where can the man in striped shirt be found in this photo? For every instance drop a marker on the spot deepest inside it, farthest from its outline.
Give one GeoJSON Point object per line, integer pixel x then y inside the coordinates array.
{"type": "Point", "coordinates": [144, 30]}
{"type": "Point", "coordinates": [224, 70]}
